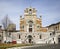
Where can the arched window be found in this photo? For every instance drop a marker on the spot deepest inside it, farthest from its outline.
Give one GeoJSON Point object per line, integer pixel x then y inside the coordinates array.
{"type": "Point", "coordinates": [19, 36]}
{"type": "Point", "coordinates": [56, 27]}
{"type": "Point", "coordinates": [40, 37]}
{"type": "Point", "coordinates": [38, 26]}
{"type": "Point", "coordinates": [53, 39]}
{"type": "Point", "coordinates": [22, 27]}
{"type": "Point", "coordinates": [50, 34]}
{"type": "Point", "coordinates": [30, 29]}
{"type": "Point", "coordinates": [30, 25]}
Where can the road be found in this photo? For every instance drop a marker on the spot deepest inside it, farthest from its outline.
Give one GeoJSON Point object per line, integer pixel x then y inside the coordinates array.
{"type": "Point", "coordinates": [55, 46]}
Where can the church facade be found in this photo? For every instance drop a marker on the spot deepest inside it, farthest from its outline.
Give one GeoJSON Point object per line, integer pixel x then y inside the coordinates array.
{"type": "Point", "coordinates": [31, 30]}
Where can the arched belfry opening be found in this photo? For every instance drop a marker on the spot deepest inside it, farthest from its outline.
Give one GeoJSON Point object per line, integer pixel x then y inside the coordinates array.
{"type": "Point", "coordinates": [30, 9]}
{"type": "Point", "coordinates": [30, 38]}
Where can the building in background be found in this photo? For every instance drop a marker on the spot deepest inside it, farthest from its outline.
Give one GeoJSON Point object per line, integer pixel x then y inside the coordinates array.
{"type": "Point", "coordinates": [55, 26]}
{"type": "Point", "coordinates": [11, 27]}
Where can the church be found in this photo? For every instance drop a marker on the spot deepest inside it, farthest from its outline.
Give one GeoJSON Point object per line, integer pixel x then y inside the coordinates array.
{"type": "Point", "coordinates": [31, 30]}
{"type": "Point", "coordinates": [31, 26]}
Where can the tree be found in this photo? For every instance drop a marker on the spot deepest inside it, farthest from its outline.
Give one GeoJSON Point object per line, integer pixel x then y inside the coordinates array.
{"type": "Point", "coordinates": [5, 22]}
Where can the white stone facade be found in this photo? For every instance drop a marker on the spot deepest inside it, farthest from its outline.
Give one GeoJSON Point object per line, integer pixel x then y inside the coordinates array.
{"type": "Point", "coordinates": [31, 31]}
{"type": "Point", "coordinates": [35, 38]}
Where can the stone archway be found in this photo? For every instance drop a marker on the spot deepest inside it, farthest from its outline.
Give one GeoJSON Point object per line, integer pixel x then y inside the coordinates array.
{"type": "Point", "coordinates": [29, 38]}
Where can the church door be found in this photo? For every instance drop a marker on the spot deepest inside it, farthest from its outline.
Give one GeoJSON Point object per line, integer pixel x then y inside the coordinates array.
{"type": "Point", "coordinates": [30, 39]}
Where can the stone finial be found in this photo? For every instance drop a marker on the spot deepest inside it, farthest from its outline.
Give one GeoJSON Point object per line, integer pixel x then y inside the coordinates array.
{"type": "Point", "coordinates": [20, 17]}
{"type": "Point", "coordinates": [40, 16]}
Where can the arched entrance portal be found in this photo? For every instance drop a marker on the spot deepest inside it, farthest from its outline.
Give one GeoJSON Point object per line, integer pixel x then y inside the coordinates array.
{"type": "Point", "coordinates": [29, 38]}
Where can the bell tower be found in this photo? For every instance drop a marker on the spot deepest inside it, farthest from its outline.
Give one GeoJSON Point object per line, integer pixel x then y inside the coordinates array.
{"type": "Point", "coordinates": [30, 11]}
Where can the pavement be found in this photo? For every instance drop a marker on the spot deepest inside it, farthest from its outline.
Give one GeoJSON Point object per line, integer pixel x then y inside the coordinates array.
{"type": "Point", "coordinates": [39, 46]}
{"type": "Point", "coordinates": [51, 46]}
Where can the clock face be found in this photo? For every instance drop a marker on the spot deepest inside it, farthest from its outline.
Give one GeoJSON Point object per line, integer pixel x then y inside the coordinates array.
{"type": "Point", "coordinates": [30, 11]}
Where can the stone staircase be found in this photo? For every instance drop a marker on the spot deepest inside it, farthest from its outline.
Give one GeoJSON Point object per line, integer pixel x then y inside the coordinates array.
{"type": "Point", "coordinates": [50, 39]}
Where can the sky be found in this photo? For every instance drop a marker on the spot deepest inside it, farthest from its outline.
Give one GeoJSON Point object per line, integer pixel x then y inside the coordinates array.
{"type": "Point", "coordinates": [48, 9]}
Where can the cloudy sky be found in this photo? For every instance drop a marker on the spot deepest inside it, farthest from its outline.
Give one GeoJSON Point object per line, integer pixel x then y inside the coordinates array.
{"type": "Point", "coordinates": [49, 9]}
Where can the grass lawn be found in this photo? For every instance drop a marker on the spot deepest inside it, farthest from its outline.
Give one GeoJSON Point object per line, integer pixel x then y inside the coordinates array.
{"type": "Point", "coordinates": [4, 46]}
